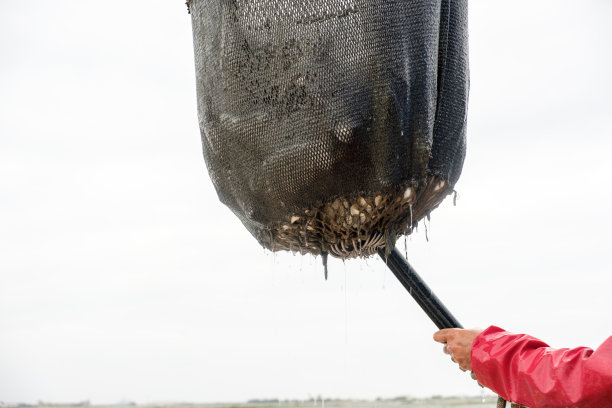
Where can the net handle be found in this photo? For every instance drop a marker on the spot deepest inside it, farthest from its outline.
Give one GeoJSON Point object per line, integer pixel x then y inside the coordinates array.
{"type": "Point", "coordinates": [418, 289]}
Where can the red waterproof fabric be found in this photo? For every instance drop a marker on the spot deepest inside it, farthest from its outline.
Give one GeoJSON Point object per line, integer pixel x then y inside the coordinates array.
{"type": "Point", "coordinates": [525, 370]}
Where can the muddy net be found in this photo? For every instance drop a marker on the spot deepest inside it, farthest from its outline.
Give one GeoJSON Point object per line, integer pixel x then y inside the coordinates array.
{"type": "Point", "coordinates": [331, 126]}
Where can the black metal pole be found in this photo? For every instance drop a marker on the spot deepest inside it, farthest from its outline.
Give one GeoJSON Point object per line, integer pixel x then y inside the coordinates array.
{"type": "Point", "coordinates": [419, 290]}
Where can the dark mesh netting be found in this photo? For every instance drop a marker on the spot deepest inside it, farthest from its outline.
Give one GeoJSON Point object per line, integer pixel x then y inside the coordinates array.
{"type": "Point", "coordinates": [331, 126]}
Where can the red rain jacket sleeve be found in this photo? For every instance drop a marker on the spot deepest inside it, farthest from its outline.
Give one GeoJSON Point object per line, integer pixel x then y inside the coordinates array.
{"type": "Point", "coordinates": [525, 370]}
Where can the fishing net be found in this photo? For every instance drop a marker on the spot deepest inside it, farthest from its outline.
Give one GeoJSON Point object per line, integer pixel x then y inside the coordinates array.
{"type": "Point", "coordinates": [331, 126]}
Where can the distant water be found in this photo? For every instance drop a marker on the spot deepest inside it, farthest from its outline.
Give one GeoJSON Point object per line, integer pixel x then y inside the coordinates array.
{"type": "Point", "coordinates": [488, 401]}
{"type": "Point", "coordinates": [422, 403]}
{"type": "Point", "coordinates": [459, 402]}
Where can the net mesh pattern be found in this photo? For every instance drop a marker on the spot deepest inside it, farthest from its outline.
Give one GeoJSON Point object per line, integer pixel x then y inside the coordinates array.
{"type": "Point", "coordinates": [331, 126]}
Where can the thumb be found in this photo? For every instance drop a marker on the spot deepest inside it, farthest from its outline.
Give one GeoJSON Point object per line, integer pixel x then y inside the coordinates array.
{"type": "Point", "coordinates": [441, 336]}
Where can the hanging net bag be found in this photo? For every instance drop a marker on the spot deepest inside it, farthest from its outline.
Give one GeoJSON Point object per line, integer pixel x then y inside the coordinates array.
{"type": "Point", "coordinates": [331, 126]}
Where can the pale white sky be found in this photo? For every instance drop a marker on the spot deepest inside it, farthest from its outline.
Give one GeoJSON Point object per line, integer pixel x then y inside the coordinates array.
{"type": "Point", "coordinates": [123, 277]}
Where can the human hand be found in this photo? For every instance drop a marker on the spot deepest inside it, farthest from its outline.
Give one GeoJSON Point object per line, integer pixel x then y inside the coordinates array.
{"type": "Point", "coordinates": [458, 344]}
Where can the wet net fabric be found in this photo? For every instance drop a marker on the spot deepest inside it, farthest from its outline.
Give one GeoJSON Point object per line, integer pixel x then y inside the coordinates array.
{"type": "Point", "coordinates": [331, 126]}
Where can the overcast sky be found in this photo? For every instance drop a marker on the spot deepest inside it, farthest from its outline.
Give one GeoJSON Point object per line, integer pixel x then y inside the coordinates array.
{"type": "Point", "coordinates": [123, 277]}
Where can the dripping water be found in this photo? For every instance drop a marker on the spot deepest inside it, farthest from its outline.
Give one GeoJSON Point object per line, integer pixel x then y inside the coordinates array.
{"type": "Point", "coordinates": [411, 220]}
{"type": "Point", "coordinates": [358, 235]}
{"type": "Point", "coordinates": [345, 306]}
{"type": "Point", "coordinates": [301, 260]}
{"type": "Point", "coordinates": [324, 259]}
{"type": "Point", "coordinates": [385, 273]}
